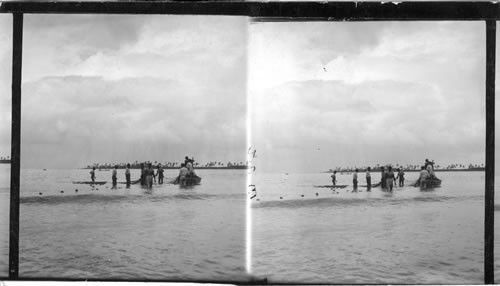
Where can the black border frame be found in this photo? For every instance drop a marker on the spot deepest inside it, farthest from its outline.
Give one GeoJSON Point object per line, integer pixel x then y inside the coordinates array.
{"type": "Point", "coordinates": [263, 11]}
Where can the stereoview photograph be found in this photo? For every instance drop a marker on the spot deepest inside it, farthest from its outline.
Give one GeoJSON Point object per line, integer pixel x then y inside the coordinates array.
{"type": "Point", "coordinates": [133, 147]}
{"type": "Point", "coordinates": [369, 142]}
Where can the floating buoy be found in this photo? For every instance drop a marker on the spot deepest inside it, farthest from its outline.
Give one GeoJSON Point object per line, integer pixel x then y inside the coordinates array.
{"type": "Point", "coordinates": [302, 195]}
{"type": "Point", "coordinates": [40, 194]}
{"type": "Point", "coordinates": [76, 190]}
{"type": "Point", "coordinates": [62, 192]}
{"type": "Point", "coordinates": [281, 198]}
{"type": "Point", "coordinates": [316, 194]}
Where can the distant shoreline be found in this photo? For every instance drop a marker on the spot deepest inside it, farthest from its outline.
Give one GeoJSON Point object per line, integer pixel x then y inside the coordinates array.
{"type": "Point", "coordinates": [177, 168]}
{"type": "Point", "coordinates": [411, 170]}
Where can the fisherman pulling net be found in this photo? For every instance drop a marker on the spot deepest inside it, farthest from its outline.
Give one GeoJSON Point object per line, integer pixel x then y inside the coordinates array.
{"type": "Point", "coordinates": [427, 177]}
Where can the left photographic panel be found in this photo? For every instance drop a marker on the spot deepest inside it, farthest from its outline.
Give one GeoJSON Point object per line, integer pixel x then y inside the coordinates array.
{"type": "Point", "coordinates": [5, 138]}
{"type": "Point", "coordinates": [133, 148]}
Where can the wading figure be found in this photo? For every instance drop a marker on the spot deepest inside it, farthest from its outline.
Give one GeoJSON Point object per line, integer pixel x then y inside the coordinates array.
{"type": "Point", "coordinates": [334, 178]}
{"type": "Point", "coordinates": [368, 180]}
{"type": "Point", "coordinates": [150, 175]}
{"type": "Point", "coordinates": [127, 175]}
{"type": "Point", "coordinates": [113, 176]}
{"type": "Point", "coordinates": [401, 176]}
{"type": "Point", "coordinates": [355, 181]}
{"type": "Point", "coordinates": [423, 177]}
{"type": "Point", "coordinates": [382, 177]}
{"type": "Point", "coordinates": [143, 175]}
{"type": "Point", "coordinates": [389, 179]}
{"type": "Point", "coordinates": [159, 173]}
{"type": "Point", "coordinates": [183, 173]}
{"type": "Point", "coordinates": [92, 175]}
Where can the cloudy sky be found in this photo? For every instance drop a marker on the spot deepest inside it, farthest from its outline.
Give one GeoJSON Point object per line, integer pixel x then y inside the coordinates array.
{"type": "Point", "coordinates": [126, 88]}
{"type": "Point", "coordinates": [355, 94]}
{"type": "Point", "coordinates": [320, 95]}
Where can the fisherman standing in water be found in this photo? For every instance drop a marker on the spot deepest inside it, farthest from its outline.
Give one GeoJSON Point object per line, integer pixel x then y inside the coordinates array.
{"type": "Point", "coordinates": [423, 177]}
{"type": "Point", "coordinates": [127, 175]}
{"type": "Point", "coordinates": [183, 173]}
{"type": "Point", "coordinates": [143, 175]}
{"type": "Point", "coordinates": [159, 173]}
{"type": "Point", "coordinates": [113, 176]}
{"type": "Point", "coordinates": [355, 181]}
{"type": "Point", "coordinates": [92, 174]}
{"type": "Point", "coordinates": [368, 180]}
{"type": "Point", "coordinates": [430, 169]}
{"type": "Point", "coordinates": [389, 179]}
{"type": "Point", "coordinates": [150, 175]}
{"type": "Point", "coordinates": [401, 177]}
{"type": "Point", "coordinates": [334, 178]}
{"type": "Point", "coordinates": [189, 165]}
{"type": "Point", "coordinates": [382, 177]}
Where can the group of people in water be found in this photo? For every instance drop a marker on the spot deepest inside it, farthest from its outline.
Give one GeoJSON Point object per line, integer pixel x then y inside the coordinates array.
{"type": "Point", "coordinates": [390, 178]}
{"type": "Point", "coordinates": [148, 174]}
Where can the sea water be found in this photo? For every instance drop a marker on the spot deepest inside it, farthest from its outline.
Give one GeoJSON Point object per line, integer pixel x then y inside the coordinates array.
{"type": "Point", "coordinates": [317, 235]}
{"type": "Point", "coordinates": [78, 231]}
{"type": "Point", "coordinates": [168, 233]}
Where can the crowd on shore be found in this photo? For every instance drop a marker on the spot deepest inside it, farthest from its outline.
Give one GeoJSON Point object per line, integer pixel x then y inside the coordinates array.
{"type": "Point", "coordinates": [389, 178]}
{"type": "Point", "coordinates": [148, 174]}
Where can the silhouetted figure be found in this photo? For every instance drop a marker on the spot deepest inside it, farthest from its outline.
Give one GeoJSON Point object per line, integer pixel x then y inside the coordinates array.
{"type": "Point", "coordinates": [160, 174]}
{"type": "Point", "coordinates": [382, 178]}
{"type": "Point", "coordinates": [183, 173]}
{"type": "Point", "coordinates": [150, 175]}
{"type": "Point", "coordinates": [401, 177]}
{"type": "Point", "coordinates": [355, 181]}
{"type": "Point", "coordinates": [92, 174]}
{"type": "Point", "coordinates": [389, 179]}
{"type": "Point", "coordinates": [114, 176]}
{"type": "Point", "coordinates": [368, 180]}
{"type": "Point", "coordinates": [127, 175]}
{"type": "Point", "coordinates": [143, 175]}
{"type": "Point", "coordinates": [423, 177]}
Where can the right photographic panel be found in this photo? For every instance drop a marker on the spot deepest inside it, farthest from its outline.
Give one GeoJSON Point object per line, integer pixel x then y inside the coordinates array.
{"type": "Point", "coordinates": [368, 143]}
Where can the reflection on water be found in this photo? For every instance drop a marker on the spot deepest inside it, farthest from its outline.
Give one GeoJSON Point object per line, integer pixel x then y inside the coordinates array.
{"type": "Point", "coordinates": [307, 234]}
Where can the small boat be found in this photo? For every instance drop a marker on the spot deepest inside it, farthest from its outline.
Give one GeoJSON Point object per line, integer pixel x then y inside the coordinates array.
{"type": "Point", "coordinates": [429, 182]}
{"type": "Point", "coordinates": [91, 183]}
{"type": "Point", "coordinates": [331, 186]}
{"type": "Point", "coordinates": [190, 181]}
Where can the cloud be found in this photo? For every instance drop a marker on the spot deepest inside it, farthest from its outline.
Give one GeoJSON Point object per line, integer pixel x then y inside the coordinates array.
{"type": "Point", "coordinates": [102, 118]}
{"type": "Point", "coordinates": [408, 86]}
{"type": "Point", "coordinates": [100, 88]}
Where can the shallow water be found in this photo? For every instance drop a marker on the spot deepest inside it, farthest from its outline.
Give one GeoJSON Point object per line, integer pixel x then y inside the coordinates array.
{"type": "Point", "coordinates": [306, 234]}
{"type": "Point", "coordinates": [408, 236]}
{"type": "Point", "coordinates": [166, 233]}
